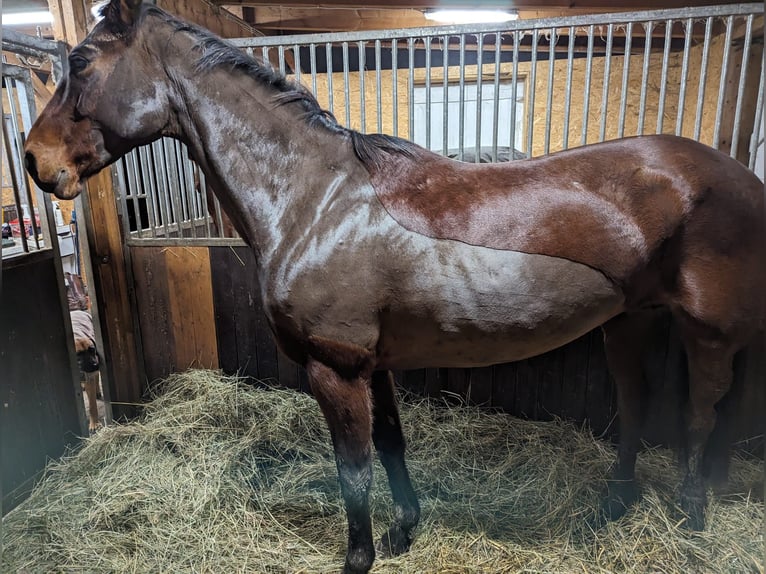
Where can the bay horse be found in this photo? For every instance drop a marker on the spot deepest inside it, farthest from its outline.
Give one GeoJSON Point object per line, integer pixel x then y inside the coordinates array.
{"type": "Point", "coordinates": [375, 254]}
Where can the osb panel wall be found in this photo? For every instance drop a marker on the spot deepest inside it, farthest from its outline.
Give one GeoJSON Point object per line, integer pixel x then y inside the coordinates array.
{"type": "Point", "coordinates": [209, 16]}
{"type": "Point", "coordinates": [557, 108]}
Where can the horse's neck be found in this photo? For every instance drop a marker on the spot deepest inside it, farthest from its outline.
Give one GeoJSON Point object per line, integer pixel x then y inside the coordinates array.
{"type": "Point", "coordinates": [266, 165]}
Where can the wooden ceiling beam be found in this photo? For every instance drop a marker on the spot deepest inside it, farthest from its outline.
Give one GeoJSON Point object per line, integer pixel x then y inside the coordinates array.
{"type": "Point", "coordinates": [568, 5]}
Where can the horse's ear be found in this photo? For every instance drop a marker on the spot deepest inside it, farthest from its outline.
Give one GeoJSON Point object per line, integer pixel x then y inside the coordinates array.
{"type": "Point", "coordinates": [122, 13]}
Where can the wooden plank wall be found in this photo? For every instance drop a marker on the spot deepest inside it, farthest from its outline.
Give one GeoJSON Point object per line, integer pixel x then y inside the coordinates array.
{"type": "Point", "coordinates": [224, 319]}
{"type": "Point", "coordinates": [174, 297]}
{"type": "Point", "coordinates": [40, 395]}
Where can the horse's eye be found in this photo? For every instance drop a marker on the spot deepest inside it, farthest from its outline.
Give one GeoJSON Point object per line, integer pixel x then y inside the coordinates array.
{"type": "Point", "coordinates": [77, 63]}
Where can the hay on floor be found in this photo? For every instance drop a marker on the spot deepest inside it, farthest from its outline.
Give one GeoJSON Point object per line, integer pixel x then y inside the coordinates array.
{"type": "Point", "coordinates": [220, 477]}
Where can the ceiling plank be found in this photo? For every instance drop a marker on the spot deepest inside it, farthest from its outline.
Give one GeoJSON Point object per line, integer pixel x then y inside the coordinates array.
{"type": "Point", "coordinates": [597, 5]}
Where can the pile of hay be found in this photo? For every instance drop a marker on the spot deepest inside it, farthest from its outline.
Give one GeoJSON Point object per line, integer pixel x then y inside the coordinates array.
{"type": "Point", "coordinates": [219, 477]}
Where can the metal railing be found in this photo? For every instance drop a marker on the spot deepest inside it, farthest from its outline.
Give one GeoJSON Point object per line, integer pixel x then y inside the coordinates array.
{"type": "Point", "coordinates": [531, 87]}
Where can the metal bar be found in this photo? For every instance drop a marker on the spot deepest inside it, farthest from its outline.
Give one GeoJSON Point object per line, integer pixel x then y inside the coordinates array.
{"type": "Point", "coordinates": [568, 88]}
{"type": "Point", "coordinates": [178, 180]}
{"type": "Point", "coordinates": [588, 72]}
{"type": "Point", "coordinates": [129, 184]}
{"type": "Point", "coordinates": [204, 193]}
{"type": "Point", "coordinates": [297, 62]}
{"type": "Point", "coordinates": [171, 180]}
{"type": "Point", "coordinates": [605, 90]}
{"type": "Point", "coordinates": [187, 242]}
{"type": "Point", "coordinates": [479, 70]}
{"type": "Point", "coordinates": [153, 190]}
{"type": "Point", "coordinates": [461, 105]}
{"type": "Point", "coordinates": [187, 191]}
{"type": "Point", "coordinates": [18, 144]}
{"type": "Point", "coordinates": [395, 86]}
{"type": "Point", "coordinates": [549, 97]}
{"type": "Point", "coordinates": [16, 190]}
{"type": "Point", "coordinates": [648, 28]}
{"type": "Point", "coordinates": [559, 22]}
{"type": "Point", "coordinates": [158, 168]}
{"type": "Point", "coordinates": [702, 79]}
{"type": "Point", "coordinates": [514, 87]}
{"type": "Point", "coordinates": [313, 64]}
{"type": "Point", "coordinates": [346, 85]}
{"type": "Point", "coordinates": [664, 76]}
{"type": "Point", "coordinates": [531, 92]}
{"type": "Point", "coordinates": [265, 56]}
{"type": "Point", "coordinates": [757, 134]}
{"type": "Point", "coordinates": [328, 60]}
{"type": "Point", "coordinates": [684, 72]}
{"type": "Point", "coordinates": [362, 65]}
{"type": "Point", "coordinates": [741, 87]}
{"type": "Point", "coordinates": [122, 193]}
{"type": "Point", "coordinates": [428, 92]}
{"type": "Point", "coordinates": [496, 99]}
{"type": "Point", "coordinates": [411, 89]}
{"type": "Point", "coordinates": [625, 78]}
{"type": "Point", "coordinates": [445, 96]}
{"type": "Point", "coordinates": [378, 85]}
{"type": "Point", "coordinates": [722, 83]}
{"type": "Point", "coordinates": [281, 56]}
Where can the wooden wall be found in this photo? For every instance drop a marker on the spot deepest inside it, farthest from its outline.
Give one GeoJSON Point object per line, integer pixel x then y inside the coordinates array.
{"type": "Point", "coordinates": [40, 397]}
{"type": "Point", "coordinates": [218, 322]}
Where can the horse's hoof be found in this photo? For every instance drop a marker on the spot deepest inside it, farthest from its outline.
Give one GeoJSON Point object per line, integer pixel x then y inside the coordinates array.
{"type": "Point", "coordinates": [393, 543]}
{"type": "Point", "coordinates": [694, 508]}
{"type": "Point", "coordinates": [622, 495]}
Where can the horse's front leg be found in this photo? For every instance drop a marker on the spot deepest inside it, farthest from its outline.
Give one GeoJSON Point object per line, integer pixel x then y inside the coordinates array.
{"type": "Point", "coordinates": [389, 442]}
{"type": "Point", "coordinates": [347, 407]}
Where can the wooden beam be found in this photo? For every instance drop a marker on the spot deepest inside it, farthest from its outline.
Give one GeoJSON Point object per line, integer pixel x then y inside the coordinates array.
{"type": "Point", "coordinates": [592, 5]}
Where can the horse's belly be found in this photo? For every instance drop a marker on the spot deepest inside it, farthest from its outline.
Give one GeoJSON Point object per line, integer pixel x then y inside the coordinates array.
{"type": "Point", "coordinates": [470, 306]}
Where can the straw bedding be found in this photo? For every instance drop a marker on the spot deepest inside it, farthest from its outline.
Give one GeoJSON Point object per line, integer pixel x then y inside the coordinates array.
{"type": "Point", "coordinates": [220, 477]}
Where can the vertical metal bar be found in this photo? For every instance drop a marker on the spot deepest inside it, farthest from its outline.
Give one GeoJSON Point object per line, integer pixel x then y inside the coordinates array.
{"type": "Point", "coordinates": [586, 94]}
{"type": "Point", "coordinates": [664, 75]}
{"type": "Point", "coordinates": [411, 88]}
{"type": "Point", "coordinates": [756, 136]}
{"type": "Point", "coordinates": [378, 85]}
{"type": "Point", "coordinates": [568, 88]}
{"type": "Point", "coordinates": [18, 146]}
{"type": "Point", "coordinates": [625, 77]}
{"type": "Point", "coordinates": [741, 87]}
{"type": "Point", "coordinates": [645, 75]}
{"type": "Point", "coordinates": [722, 84]}
{"type": "Point", "coordinates": [131, 187]}
{"type": "Point", "coordinates": [159, 165]}
{"type": "Point", "coordinates": [154, 186]}
{"type": "Point", "coordinates": [346, 85]}
{"type": "Point", "coordinates": [395, 84]}
{"type": "Point", "coordinates": [328, 60]}
{"type": "Point", "coordinates": [428, 91]}
{"type": "Point", "coordinates": [281, 56]}
{"type": "Point", "coordinates": [531, 91]}
{"type": "Point", "coordinates": [16, 190]}
{"type": "Point", "coordinates": [703, 78]}
{"type": "Point", "coordinates": [684, 71]}
{"type": "Point", "coordinates": [479, 70]}
{"type": "Point", "coordinates": [265, 56]}
{"type": "Point", "coordinates": [297, 61]}
{"type": "Point", "coordinates": [496, 99]}
{"type": "Point", "coordinates": [362, 65]}
{"type": "Point", "coordinates": [461, 106]}
{"type": "Point", "coordinates": [607, 74]}
{"type": "Point", "coordinates": [445, 96]}
{"type": "Point", "coordinates": [552, 41]}
{"type": "Point", "coordinates": [122, 192]}
{"type": "Point", "coordinates": [514, 87]}
{"type": "Point", "coordinates": [141, 189]}
{"type": "Point", "coordinates": [184, 189]}
{"type": "Point", "coordinates": [313, 64]}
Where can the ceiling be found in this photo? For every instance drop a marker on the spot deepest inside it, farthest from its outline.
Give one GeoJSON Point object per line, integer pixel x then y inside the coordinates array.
{"type": "Point", "coordinates": [306, 16]}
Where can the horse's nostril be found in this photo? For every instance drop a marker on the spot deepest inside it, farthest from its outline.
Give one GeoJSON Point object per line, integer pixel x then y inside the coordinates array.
{"type": "Point", "coordinates": [31, 164]}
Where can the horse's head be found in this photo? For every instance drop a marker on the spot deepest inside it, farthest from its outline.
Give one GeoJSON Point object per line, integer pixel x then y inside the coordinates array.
{"type": "Point", "coordinates": [112, 99]}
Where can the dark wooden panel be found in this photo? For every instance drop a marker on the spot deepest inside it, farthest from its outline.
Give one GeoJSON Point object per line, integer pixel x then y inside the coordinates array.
{"type": "Point", "coordinates": [225, 306]}
{"type": "Point", "coordinates": [40, 390]}
{"type": "Point", "coordinates": [152, 298]}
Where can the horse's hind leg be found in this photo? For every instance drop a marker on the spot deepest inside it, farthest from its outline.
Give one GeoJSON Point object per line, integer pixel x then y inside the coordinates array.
{"type": "Point", "coordinates": [347, 408]}
{"type": "Point", "coordinates": [389, 442]}
{"type": "Point", "coordinates": [624, 342]}
{"type": "Point", "coordinates": [710, 359]}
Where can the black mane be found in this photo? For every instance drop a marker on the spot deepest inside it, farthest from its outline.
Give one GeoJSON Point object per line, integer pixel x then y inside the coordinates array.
{"type": "Point", "coordinates": [217, 53]}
